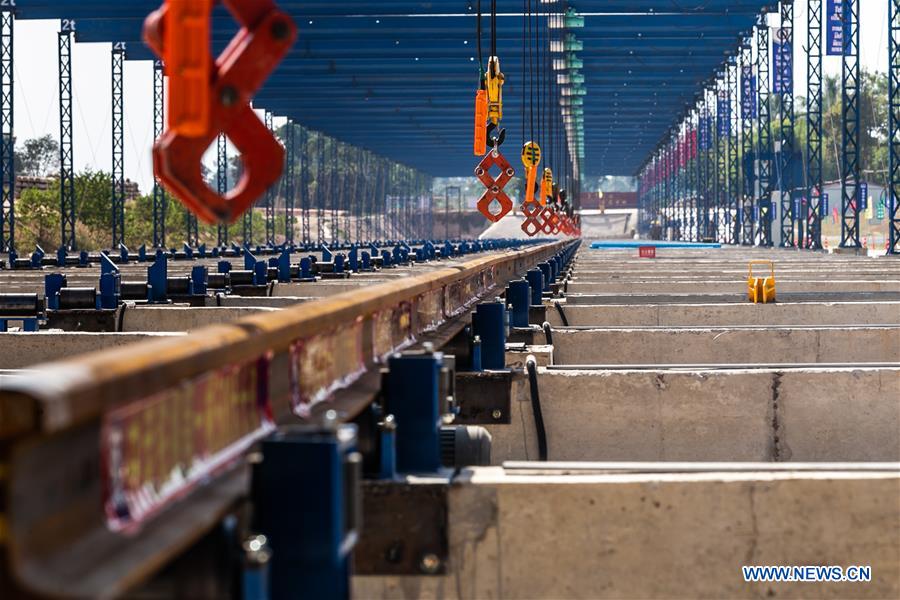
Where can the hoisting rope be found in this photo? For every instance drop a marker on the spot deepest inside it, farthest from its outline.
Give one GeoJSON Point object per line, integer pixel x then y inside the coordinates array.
{"type": "Point", "coordinates": [493, 80]}
{"type": "Point", "coordinates": [531, 150]}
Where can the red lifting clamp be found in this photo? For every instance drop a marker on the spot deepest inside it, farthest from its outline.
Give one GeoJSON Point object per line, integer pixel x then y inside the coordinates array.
{"type": "Point", "coordinates": [209, 97]}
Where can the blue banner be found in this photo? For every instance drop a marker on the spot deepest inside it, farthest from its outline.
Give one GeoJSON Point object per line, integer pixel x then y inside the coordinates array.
{"type": "Point", "coordinates": [723, 115]}
{"type": "Point", "coordinates": [704, 134]}
{"type": "Point", "coordinates": [796, 214]}
{"type": "Point", "coordinates": [835, 28]}
{"type": "Point", "coordinates": [748, 93]}
{"type": "Point", "coordinates": [823, 209]}
{"type": "Point", "coordinates": [863, 190]}
{"type": "Point", "coordinates": [783, 56]}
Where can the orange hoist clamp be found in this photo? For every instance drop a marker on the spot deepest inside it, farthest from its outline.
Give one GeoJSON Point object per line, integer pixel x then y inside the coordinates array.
{"type": "Point", "coordinates": [495, 136]}
{"type": "Point", "coordinates": [481, 115]}
{"type": "Point", "coordinates": [531, 158]}
{"type": "Point", "coordinates": [208, 97]}
{"type": "Point", "coordinates": [547, 186]}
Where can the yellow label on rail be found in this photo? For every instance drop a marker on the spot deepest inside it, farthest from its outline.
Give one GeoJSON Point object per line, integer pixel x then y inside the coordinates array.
{"type": "Point", "coordinates": [154, 450]}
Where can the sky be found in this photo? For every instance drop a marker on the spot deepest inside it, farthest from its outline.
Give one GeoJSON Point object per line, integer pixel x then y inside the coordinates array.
{"type": "Point", "coordinates": [37, 93]}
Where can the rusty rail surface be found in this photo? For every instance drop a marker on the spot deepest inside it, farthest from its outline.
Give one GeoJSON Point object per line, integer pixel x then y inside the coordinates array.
{"type": "Point", "coordinates": [113, 462]}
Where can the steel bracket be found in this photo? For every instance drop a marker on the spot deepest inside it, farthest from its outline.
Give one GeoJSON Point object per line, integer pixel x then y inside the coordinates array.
{"type": "Point", "coordinates": [484, 397]}
{"type": "Point", "coordinates": [405, 528]}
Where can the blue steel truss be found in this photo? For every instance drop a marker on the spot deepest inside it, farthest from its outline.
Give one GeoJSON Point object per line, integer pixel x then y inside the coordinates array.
{"type": "Point", "coordinates": [764, 136]}
{"type": "Point", "coordinates": [850, 124]}
{"type": "Point", "coordinates": [733, 208]}
{"type": "Point", "coordinates": [747, 127]}
{"type": "Point", "coordinates": [289, 185]}
{"type": "Point", "coordinates": [786, 105]}
{"type": "Point", "coordinates": [222, 181]}
{"type": "Point", "coordinates": [893, 197]}
{"type": "Point", "coordinates": [814, 183]}
{"type": "Point", "coordinates": [7, 135]}
{"type": "Point", "coordinates": [118, 144]}
{"type": "Point", "coordinates": [66, 151]}
{"type": "Point", "coordinates": [270, 197]}
{"type": "Point", "coordinates": [160, 198]}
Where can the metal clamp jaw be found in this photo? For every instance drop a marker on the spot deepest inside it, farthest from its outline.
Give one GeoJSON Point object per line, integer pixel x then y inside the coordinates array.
{"type": "Point", "coordinates": [208, 97]}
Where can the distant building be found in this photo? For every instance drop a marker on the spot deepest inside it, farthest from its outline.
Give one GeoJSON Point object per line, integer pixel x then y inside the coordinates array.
{"type": "Point", "coordinates": [609, 200]}
{"type": "Point", "coordinates": [132, 190]}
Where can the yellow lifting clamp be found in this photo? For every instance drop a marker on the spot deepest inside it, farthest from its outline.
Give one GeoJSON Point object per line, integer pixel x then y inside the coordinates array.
{"type": "Point", "coordinates": [547, 186]}
{"type": "Point", "coordinates": [761, 290]}
{"type": "Point", "coordinates": [494, 79]}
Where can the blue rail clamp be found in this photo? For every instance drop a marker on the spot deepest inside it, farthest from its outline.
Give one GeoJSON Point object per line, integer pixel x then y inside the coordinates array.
{"type": "Point", "coordinates": [53, 283]}
{"type": "Point", "coordinates": [157, 280]}
{"type": "Point", "coordinates": [311, 535]}
{"type": "Point", "coordinates": [110, 284]}
{"type": "Point", "coordinates": [199, 278]}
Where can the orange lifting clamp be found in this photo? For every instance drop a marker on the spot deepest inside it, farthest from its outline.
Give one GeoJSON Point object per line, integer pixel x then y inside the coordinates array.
{"type": "Point", "coordinates": [761, 290]}
{"type": "Point", "coordinates": [493, 83]}
{"type": "Point", "coordinates": [531, 158]}
{"type": "Point", "coordinates": [208, 97]}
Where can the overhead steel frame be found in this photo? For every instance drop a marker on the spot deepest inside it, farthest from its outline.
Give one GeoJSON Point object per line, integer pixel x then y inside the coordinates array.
{"type": "Point", "coordinates": [7, 134]}
{"type": "Point", "coordinates": [814, 181]}
{"type": "Point", "coordinates": [66, 153]}
{"type": "Point", "coordinates": [270, 197]}
{"type": "Point", "coordinates": [704, 150]}
{"type": "Point", "coordinates": [695, 174]}
{"type": "Point", "coordinates": [320, 188]}
{"type": "Point", "coordinates": [894, 125]}
{"type": "Point", "coordinates": [118, 144]}
{"type": "Point", "coordinates": [160, 200]}
{"type": "Point", "coordinates": [764, 135]}
{"type": "Point", "coordinates": [850, 125]}
{"type": "Point", "coordinates": [222, 181]}
{"type": "Point", "coordinates": [721, 164]}
{"type": "Point", "coordinates": [747, 126]}
{"type": "Point", "coordinates": [666, 189]}
{"type": "Point", "coordinates": [734, 177]}
{"type": "Point", "coordinates": [351, 204]}
{"type": "Point", "coordinates": [304, 186]}
{"type": "Point", "coordinates": [786, 179]}
{"type": "Point", "coordinates": [289, 185]}
{"type": "Point", "coordinates": [682, 183]}
{"type": "Point", "coordinates": [361, 191]}
{"type": "Point", "coordinates": [336, 188]}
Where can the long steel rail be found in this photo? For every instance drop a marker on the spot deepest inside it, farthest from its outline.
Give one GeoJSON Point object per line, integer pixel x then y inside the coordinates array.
{"type": "Point", "coordinates": [114, 462]}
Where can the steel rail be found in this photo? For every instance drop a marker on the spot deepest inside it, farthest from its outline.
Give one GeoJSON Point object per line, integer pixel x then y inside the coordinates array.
{"type": "Point", "coordinates": [62, 529]}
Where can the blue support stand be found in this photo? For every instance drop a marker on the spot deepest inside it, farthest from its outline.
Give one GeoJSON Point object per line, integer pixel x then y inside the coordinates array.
{"type": "Point", "coordinates": [110, 284]}
{"type": "Point", "coordinates": [518, 297]}
{"type": "Point", "coordinates": [199, 279]}
{"type": "Point", "coordinates": [413, 382]}
{"type": "Point", "coordinates": [548, 275]}
{"type": "Point", "coordinates": [535, 278]}
{"type": "Point", "coordinates": [284, 266]}
{"type": "Point", "coordinates": [310, 535]}
{"type": "Point", "coordinates": [157, 275]}
{"type": "Point", "coordinates": [53, 283]}
{"type": "Point", "coordinates": [490, 323]}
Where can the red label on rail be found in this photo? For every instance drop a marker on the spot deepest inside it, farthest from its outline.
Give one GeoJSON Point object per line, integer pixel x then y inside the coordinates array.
{"type": "Point", "coordinates": [155, 450]}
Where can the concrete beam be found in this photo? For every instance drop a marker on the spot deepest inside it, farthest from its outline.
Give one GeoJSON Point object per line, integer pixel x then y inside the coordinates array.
{"type": "Point", "coordinates": [726, 345]}
{"type": "Point", "coordinates": [28, 349]}
{"type": "Point", "coordinates": [528, 534]}
{"type": "Point", "coordinates": [758, 415]}
{"type": "Point", "coordinates": [701, 315]}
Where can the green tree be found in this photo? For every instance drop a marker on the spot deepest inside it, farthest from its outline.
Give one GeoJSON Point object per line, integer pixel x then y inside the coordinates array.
{"type": "Point", "coordinates": [37, 221]}
{"type": "Point", "coordinates": [38, 157]}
